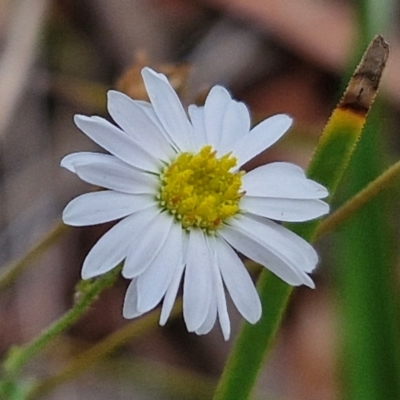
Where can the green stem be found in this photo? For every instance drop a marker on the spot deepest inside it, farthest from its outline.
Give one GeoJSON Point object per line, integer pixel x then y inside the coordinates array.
{"type": "Point", "coordinates": [358, 201]}
{"type": "Point", "coordinates": [254, 341]}
{"type": "Point", "coordinates": [99, 351]}
{"type": "Point", "coordinates": [14, 269]}
{"type": "Point", "coordinates": [18, 357]}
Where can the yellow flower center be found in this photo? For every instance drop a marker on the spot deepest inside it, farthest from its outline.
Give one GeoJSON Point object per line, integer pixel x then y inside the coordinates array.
{"type": "Point", "coordinates": [199, 189]}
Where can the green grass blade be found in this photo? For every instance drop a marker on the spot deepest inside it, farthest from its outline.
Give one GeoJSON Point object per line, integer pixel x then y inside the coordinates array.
{"type": "Point", "coordinates": [369, 364]}
{"type": "Point", "coordinates": [330, 160]}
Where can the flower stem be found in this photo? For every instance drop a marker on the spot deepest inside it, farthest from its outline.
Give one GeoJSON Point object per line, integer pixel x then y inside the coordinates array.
{"type": "Point", "coordinates": [254, 341]}
{"type": "Point", "coordinates": [18, 357]}
{"type": "Point", "coordinates": [99, 351]}
{"type": "Point", "coordinates": [14, 269]}
{"type": "Point", "coordinates": [358, 201]}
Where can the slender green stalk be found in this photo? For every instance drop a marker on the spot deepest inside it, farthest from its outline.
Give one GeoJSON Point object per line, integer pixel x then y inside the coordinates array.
{"type": "Point", "coordinates": [254, 341]}
{"type": "Point", "coordinates": [14, 269]}
{"type": "Point", "coordinates": [363, 197]}
{"type": "Point", "coordinates": [18, 357]}
{"type": "Point", "coordinates": [90, 357]}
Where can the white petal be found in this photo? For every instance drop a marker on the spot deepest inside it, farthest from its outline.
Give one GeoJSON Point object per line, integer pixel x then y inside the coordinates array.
{"type": "Point", "coordinates": [197, 117]}
{"type": "Point", "coordinates": [153, 283]}
{"type": "Point", "coordinates": [110, 249]}
{"type": "Point", "coordinates": [83, 157]}
{"type": "Point", "coordinates": [299, 245]}
{"type": "Point", "coordinates": [169, 109]}
{"type": "Point", "coordinates": [218, 300]}
{"type": "Point", "coordinates": [273, 246]}
{"type": "Point", "coordinates": [153, 229]}
{"type": "Point", "coordinates": [238, 282]}
{"type": "Point", "coordinates": [116, 175]}
{"type": "Point", "coordinates": [300, 252]}
{"type": "Point", "coordinates": [219, 291]}
{"type": "Point", "coordinates": [262, 136]}
{"type": "Point", "coordinates": [223, 315]}
{"type": "Point", "coordinates": [209, 322]}
{"type": "Point", "coordinates": [117, 142]}
{"type": "Point", "coordinates": [148, 109]}
{"type": "Point", "coordinates": [236, 125]}
{"type": "Point", "coordinates": [258, 253]}
{"type": "Point", "coordinates": [198, 281]}
{"type": "Point", "coordinates": [109, 172]}
{"type": "Point", "coordinates": [130, 309]}
{"type": "Point", "coordinates": [99, 207]}
{"type": "Point", "coordinates": [215, 107]}
{"type": "Point", "coordinates": [170, 295]}
{"type": "Point", "coordinates": [281, 180]}
{"type": "Point", "coordinates": [135, 121]}
{"type": "Point", "coordinates": [289, 210]}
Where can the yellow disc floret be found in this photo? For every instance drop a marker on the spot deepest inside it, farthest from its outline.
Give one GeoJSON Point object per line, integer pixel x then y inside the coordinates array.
{"type": "Point", "coordinates": [199, 189]}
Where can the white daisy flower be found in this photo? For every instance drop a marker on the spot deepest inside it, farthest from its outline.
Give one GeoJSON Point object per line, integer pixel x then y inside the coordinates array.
{"type": "Point", "coordinates": [185, 206]}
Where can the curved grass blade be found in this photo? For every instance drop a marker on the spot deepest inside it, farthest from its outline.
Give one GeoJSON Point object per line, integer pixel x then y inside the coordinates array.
{"type": "Point", "coordinates": [327, 166]}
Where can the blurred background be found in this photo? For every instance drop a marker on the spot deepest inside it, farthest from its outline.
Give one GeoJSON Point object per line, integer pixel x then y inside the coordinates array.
{"type": "Point", "coordinates": [59, 57]}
